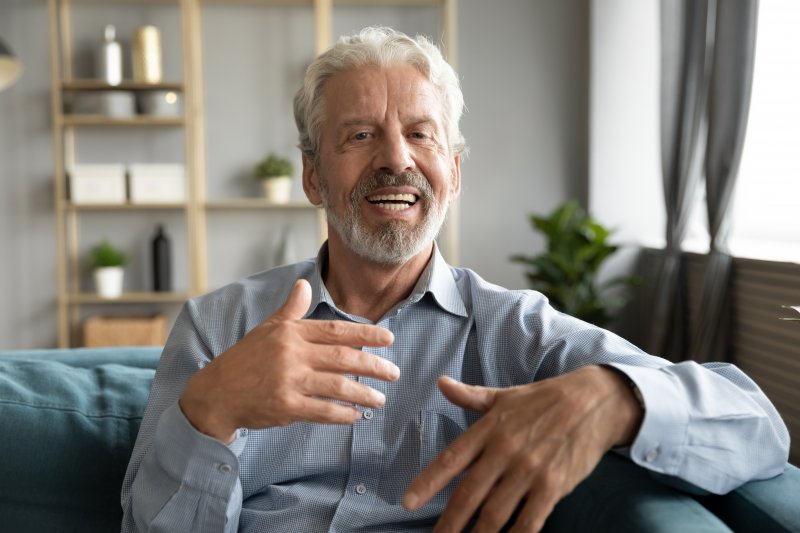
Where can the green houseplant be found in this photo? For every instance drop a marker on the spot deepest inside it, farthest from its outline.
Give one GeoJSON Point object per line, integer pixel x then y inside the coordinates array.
{"type": "Point", "coordinates": [107, 263]}
{"type": "Point", "coordinates": [275, 173]}
{"type": "Point", "coordinates": [567, 271]}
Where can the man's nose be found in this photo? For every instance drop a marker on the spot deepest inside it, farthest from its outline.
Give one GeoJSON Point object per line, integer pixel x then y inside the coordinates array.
{"type": "Point", "coordinates": [394, 154]}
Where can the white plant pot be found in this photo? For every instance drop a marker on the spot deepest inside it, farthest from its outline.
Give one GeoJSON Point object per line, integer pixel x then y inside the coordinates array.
{"type": "Point", "coordinates": [108, 281]}
{"type": "Point", "coordinates": [277, 190]}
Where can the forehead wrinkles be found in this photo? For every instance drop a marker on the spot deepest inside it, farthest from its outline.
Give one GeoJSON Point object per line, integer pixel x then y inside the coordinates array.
{"type": "Point", "coordinates": [371, 94]}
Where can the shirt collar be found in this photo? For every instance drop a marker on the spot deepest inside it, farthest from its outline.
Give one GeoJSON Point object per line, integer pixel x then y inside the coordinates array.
{"type": "Point", "coordinates": [437, 279]}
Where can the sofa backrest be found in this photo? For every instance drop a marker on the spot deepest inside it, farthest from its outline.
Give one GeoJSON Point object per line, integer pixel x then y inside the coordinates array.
{"type": "Point", "coordinates": [68, 420]}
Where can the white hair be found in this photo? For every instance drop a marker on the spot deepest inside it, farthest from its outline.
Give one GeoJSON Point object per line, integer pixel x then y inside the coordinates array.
{"type": "Point", "coordinates": [381, 47]}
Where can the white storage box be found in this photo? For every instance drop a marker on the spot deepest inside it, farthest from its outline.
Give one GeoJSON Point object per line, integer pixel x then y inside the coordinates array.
{"type": "Point", "coordinates": [157, 184]}
{"type": "Point", "coordinates": [97, 184]}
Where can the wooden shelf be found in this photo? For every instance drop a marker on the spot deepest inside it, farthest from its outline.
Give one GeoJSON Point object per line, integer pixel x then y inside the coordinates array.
{"type": "Point", "coordinates": [126, 85]}
{"type": "Point", "coordinates": [256, 203]}
{"type": "Point", "coordinates": [129, 207]}
{"type": "Point", "coordinates": [102, 120]}
{"type": "Point", "coordinates": [81, 298]}
{"type": "Point", "coordinates": [66, 92]}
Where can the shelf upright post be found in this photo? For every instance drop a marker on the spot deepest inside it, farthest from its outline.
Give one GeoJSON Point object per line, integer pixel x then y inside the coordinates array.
{"type": "Point", "coordinates": [195, 146]}
{"type": "Point", "coordinates": [323, 30]}
{"type": "Point", "coordinates": [58, 173]}
{"type": "Point", "coordinates": [449, 23]}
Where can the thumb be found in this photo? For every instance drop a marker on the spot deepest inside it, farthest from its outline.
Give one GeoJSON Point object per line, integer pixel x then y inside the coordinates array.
{"type": "Point", "coordinates": [297, 303]}
{"type": "Point", "coordinates": [468, 396]}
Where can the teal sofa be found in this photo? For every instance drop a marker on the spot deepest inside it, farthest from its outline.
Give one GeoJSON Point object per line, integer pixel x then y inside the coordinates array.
{"type": "Point", "coordinates": [70, 418]}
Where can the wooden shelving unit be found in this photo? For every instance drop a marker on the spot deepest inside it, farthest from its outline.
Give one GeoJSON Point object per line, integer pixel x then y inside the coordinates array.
{"type": "Point", "coordinates": [72, 297]}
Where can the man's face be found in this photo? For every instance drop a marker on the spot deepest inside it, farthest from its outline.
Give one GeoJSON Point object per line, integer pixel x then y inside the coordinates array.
{"type": "Point", "coordinates": [384, 173]}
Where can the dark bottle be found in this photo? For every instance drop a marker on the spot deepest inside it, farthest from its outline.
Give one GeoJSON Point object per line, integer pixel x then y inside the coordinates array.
{"type": "Point", "coordinates": [162, 261]}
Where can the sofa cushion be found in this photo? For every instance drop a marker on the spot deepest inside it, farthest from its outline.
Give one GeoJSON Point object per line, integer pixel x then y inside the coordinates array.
{"type": "Point", "coordinates": [67, 434]}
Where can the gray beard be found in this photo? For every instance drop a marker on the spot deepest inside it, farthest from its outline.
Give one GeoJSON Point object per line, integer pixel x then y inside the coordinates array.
{"type": "Point", "coordinates": [394, 242]}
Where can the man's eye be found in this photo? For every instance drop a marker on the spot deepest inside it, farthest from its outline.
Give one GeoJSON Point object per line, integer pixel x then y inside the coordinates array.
{"type": "Point", "coordinates": [361, 136]}
{"type": "Point", "coordinates": [418, 135]}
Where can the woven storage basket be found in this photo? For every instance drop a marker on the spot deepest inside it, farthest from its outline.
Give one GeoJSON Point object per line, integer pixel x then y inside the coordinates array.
{"type": "Point", "coordinates": [99, 331]}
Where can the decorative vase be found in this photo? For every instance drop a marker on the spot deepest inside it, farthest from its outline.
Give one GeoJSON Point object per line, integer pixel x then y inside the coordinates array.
{"type": "Point", "coordinates": [108, 281]}
{"type": "Point", "coordinates": [277, 190]}
{"type": "Point", "coordinates": [146, 49]}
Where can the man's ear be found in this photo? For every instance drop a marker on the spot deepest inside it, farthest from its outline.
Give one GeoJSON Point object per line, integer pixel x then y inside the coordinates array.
{"type": "Point", "coordinates": [456, 176]}
{"type": "Point", "coordinates": [311, 181]}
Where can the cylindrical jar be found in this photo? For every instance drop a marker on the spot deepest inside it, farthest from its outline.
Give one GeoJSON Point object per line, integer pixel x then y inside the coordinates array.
{"type": "Point", "coordinates": [147, 55]}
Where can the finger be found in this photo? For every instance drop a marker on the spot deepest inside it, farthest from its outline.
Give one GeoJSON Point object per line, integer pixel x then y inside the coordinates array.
{"type": "Point", "coordinates": [472, 492]}
{"type": "Point", "coordinates": [451, 462]}
{"type": "Point", "coordinates": [503, 500]}
{"type": "Point", "coordinates": [324, 412]}
{"type": "Point", "coordinates": [345, 333]}
{"type": "Point", "coordinates": [297, 303]}
{"type": "Point", "coordinates": [344, 360]}
{"type": "Point", "coordinates": [338, 387]}
{"type": "Point", "coordinates": [535, 511]}
{"type": "Point", "coordinates": [467, 396]}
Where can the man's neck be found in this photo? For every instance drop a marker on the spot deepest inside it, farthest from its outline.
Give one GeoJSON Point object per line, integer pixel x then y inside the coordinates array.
{"type": "Point", "coordinates": [367, 289]}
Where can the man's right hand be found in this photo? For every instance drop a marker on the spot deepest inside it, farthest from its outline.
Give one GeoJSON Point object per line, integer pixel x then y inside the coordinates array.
{"type": "Point", "coordinates": [287, 370]}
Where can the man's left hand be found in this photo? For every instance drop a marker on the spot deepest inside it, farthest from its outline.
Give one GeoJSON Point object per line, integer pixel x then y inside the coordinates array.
{"type": "Point", "coordinates": [534, 443]}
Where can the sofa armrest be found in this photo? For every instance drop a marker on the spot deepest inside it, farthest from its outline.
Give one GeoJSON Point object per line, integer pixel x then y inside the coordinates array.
{"type": "Point", "coordinates": [620, 496]}
{"type": "Point", "coordinates": [759, 506]}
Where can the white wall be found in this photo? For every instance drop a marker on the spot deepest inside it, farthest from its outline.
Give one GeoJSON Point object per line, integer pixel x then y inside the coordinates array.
{"type": "Point", "coordinates": [625, 190]}
{"type": "Point", "coordinates": [524, 67]}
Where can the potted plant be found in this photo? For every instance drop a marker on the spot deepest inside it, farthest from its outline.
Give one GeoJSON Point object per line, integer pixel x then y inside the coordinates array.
{"type": "Point", "coordinates": [567, 271]}
{"type": "Point", "coordinates": [107, 262]}
{"type": "Point", "coordinates": [275, 173]}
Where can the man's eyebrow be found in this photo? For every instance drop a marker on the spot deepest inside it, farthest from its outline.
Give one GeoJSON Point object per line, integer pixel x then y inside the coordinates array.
{"type": "Point", "coordinates": [356, 121]}
{"type": "Point", "coordinates": [362, 121]}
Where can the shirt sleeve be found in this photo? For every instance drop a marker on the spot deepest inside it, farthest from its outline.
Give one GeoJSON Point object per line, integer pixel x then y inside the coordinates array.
{"type": "Point", "coordinates": [179, 479]}
{"type": "Point", "coordinates": [708, 425]}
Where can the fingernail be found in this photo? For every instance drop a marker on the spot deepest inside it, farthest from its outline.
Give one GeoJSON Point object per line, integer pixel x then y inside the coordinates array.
{"type": "Point", "coordinates": [410, 501]}
{"type": "Point", "coordinates": [394, 372]}
{"type": "Point", "coordinates": [379, 397]}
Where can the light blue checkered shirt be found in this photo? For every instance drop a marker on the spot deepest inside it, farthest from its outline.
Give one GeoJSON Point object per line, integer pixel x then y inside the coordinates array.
{"type": "Point", "coordinates": [708, 425]}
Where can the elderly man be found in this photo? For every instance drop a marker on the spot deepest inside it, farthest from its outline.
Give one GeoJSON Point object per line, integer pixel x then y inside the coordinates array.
{"type": "Point", "coordinates": [376, 388]}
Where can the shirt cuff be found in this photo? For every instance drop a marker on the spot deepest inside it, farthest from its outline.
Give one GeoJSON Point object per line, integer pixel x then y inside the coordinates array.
{"type": "Point", "coordinates": [197, 460]}
{"type": "Point", "coordinates": [660, 443]}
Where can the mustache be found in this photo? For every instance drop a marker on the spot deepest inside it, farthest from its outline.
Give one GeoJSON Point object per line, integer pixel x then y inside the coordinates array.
{"type": "Point", "coordinates": [380, 179]}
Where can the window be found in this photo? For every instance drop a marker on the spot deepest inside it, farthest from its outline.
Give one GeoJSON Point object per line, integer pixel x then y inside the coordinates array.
{"type": "Point", "coordinates": [766, 203]}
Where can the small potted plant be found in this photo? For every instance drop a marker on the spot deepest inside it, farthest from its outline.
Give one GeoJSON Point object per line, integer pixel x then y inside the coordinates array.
{"type": "Point", "coordinates": [107, 262]}
{"type": "Point", "coordinates": [567, 271]}
{"type": "Point", "coordinates": [275, 173]}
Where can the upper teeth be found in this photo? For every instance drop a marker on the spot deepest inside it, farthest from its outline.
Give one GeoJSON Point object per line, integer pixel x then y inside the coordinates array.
{"type": "Point", "coordinates": [396, 197]}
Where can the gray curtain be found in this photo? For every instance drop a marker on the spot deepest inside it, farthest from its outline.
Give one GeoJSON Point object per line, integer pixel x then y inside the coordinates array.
{"type": "Point", "coordinates": [728, 106]}
{"type": "Point", "coordinates": [684, 88]}
{"type": "Point", "coordinates": [707, 50]}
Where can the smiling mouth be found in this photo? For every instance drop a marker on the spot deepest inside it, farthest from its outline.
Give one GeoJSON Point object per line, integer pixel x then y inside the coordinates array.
{"type": "Point", "coordinates": [393, 202]}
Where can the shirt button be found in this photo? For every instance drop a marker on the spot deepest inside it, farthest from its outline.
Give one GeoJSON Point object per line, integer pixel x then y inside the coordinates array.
{"type": "Point", "coordinates": [224, 468]}
{"type": "Point", "coordinates": [361, 488]}
{"type": "Point", "coordinates": [368, 414]}
{"type": "Point", "coordinates": [651, 455]}
{"type": "Point", "coordinates": [243, 432]}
